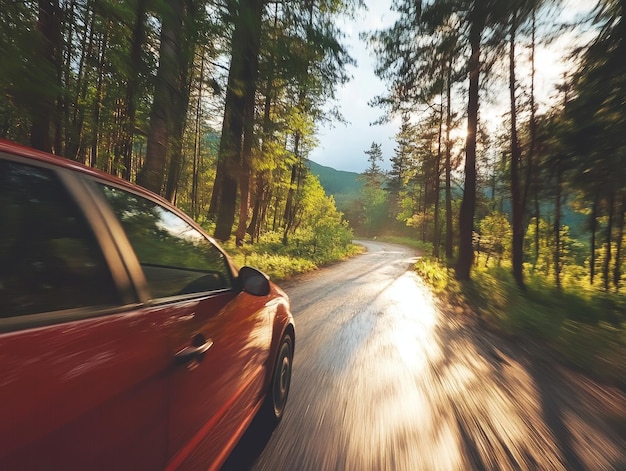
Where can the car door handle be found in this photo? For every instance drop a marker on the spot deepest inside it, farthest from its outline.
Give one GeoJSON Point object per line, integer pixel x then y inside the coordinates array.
{"type": "Point", "coordinates": [192, 352]}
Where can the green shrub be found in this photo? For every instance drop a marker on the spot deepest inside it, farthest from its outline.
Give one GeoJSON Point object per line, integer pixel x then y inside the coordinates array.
{"type": "Point", "coordinates": [278, 267]}
{"type": "Point", "coordinates": [303, 253]}
{"type": "Point", "coordinates": [436, 274]}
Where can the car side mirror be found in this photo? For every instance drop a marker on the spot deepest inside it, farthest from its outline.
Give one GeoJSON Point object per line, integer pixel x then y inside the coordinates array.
{"type": "Point", "coordinates": [254, 281]}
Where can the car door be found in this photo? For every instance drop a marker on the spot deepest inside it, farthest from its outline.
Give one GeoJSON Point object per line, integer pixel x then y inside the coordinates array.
{"type": "Point", "coordinates": [83, 368]}
{"type": "Point", "coordinates": [213, 397]}
{"type": "Point", "coordinates": [220, 342]}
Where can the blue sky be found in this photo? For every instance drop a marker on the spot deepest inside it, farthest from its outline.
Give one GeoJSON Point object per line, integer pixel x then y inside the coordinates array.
{"type": "Point", "coordinates": [343, 147]}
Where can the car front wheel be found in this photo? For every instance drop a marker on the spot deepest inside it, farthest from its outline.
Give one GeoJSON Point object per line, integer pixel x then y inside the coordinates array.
{"type": "Point", "coordinates": [281, 380]}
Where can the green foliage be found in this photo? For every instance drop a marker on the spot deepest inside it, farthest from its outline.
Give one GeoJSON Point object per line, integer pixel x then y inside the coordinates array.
{"type": "Point", "coordinates": [586, 327]}
{"type": "Point", "coordinates": [320, 237]}
{"type": "Point", "coordinates": [373, 199]}
{"type": "Point", "coordinates": [281, 261]}
{"type": "Point", "coordinates": [276, 266]}
{"type": "Point", "coordinates": [406, 209]}
{"type": "Point", "coordinates": [574, 255]}
{"type": "Point", "coordinates": [436, 274]}
{"type": "Point", "coordinates": [320, 226]}
{"type": "Point", "coordinates": [326, 238]}
{"type": "Point", "coordinates": [495, 235]}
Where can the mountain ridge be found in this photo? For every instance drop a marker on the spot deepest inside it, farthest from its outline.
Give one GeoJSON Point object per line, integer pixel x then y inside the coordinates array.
{"type": "Point", "coordinates": [344, 186]}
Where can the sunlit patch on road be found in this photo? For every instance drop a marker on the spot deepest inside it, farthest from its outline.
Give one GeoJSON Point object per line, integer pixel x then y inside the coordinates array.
{"type": "Point", "coordinates": [389, 376]}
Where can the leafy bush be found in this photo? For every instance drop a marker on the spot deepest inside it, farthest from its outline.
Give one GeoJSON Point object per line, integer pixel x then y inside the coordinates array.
{"type": "Point", "coordinates": [436, 274]}
{"type": "Point", "coordinates": [278, 267]}
{"type": "Point", "coordinates": [495, 236]}
{"type": "Point", "coordinates": [302, 254]}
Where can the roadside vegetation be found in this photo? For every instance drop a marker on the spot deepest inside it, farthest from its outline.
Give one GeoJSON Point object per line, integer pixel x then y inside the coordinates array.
{"type": "Point", "coordinates": [580, 324]}
{"type": "Point", "coordinates": [304, 253]}
{"type": "Point", "coordinates": [318, 235]}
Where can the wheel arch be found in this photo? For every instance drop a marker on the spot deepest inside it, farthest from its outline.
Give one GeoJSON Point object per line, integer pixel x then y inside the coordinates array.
{"type": "Point", "coordinates": [283, 325]}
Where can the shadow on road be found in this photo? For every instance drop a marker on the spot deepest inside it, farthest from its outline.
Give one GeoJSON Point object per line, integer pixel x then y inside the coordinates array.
{"type": "Point", "coordinates": [520, 409]}
{"type": "Point", "coordinates": [547, 380]}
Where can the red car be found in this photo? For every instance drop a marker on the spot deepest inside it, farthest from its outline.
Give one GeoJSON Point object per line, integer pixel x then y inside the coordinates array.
{"type": "Point", "coordinates": [128, 339]}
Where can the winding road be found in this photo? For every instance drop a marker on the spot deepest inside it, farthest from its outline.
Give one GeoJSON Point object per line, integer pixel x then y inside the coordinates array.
{"type": "Point", "coordinates": [385, 379]}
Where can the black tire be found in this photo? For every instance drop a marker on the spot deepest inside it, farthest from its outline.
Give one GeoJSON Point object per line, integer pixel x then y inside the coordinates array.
{"type": "Point", "coordinates": [281, 380]}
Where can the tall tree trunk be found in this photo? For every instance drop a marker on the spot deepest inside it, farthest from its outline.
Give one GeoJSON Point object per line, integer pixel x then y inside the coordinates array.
{"type": "Point", "coordinates": [449, 231]}
{"type": "Point", "coordinates": [216, 194]}
{"type": "Point", "coordinates": [617, 268]}
{"type": "Point", "coordinates": [261, 190]}
{"type": "Point", "coordinates": [268, 194]}
{"type": "Point", "coordinates": [97, 106]}
{"type": "Point", "coordinates": [557, 225]}
{"type": "Point", "coordinates": [468, 204]}
{"type": "Point", "coordinates": [537, 229]}
{"type": "Point", "coordinates": [242, 84]}
{"type": "Point", "coordinates": [166, 96]}
{"type": "Point", "coordinates": [516, 158]}
{"type": "Point", "coordinates": [58, 145]}
{"type": "Point", "coordinates": [425, 205]}
{"type": "Point", "coordinates": [48, 26]}
{"type": "Point", "coordinates": [436, 234]}
{"type": "Point", "coordinates": [254, 228]}
{"type": "Point", "coordinates": [608, 241]}
{"type": "Point", "coordinates": [246, 172]}
{"type": "Point", "coordinates": [261, 183]}
{"type": "Point", "coordinates": [179, 122]}
{"type": "Point", "coordinates": [196, 142]}
{"type": "Point", "coordinates": [176, 162]}
{"type": "Point", "coordinates": [75, 128]}
{"type": "Point", "coordinates": [185, 63]}
{"type": "Point", "coordinates": [132, 87]}
{"type": "Point", "coordinates": [68, 57]}
{"type": "Point", "coordinates": [275, 219]}
{"type": "Point", "coordinates": [533, 119]}
{"type": "Point", "coordinates": [296, 172]}
{"type": "Point", "coordinates": [245, 178]}
{"type": "Point", "coordinates": [289, 213]}
{"type": "Point", "coordinates": [558, 206]}
{"type": "Point", "coordinates": [593, 223]}
{"type": "Point", "coordinates": [533, 140]}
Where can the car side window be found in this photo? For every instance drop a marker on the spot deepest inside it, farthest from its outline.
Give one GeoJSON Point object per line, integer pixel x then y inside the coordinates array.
{"type": "Point", "coordinates": [50, 259]}
{"type": "Point", "coordinates": [176, 258]}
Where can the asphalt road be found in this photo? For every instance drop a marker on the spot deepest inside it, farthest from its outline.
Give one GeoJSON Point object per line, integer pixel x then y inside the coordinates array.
{"type": "Point", "coordinates": [385, 379]}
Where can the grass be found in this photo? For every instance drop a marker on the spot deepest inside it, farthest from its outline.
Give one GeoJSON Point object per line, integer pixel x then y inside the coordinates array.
{"type": "Point", "coordinates": [584, 327]}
